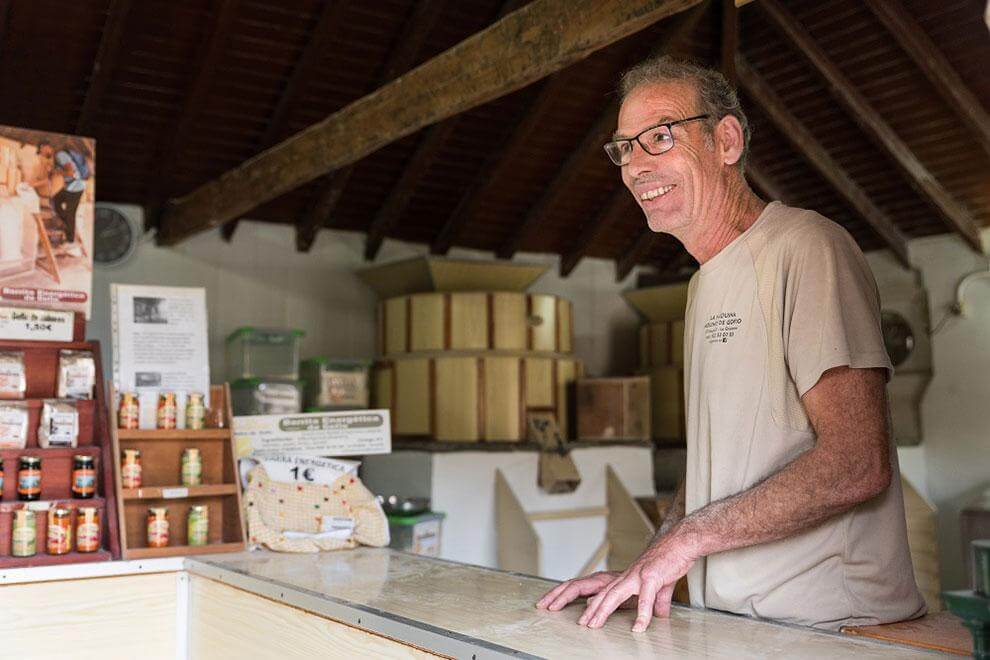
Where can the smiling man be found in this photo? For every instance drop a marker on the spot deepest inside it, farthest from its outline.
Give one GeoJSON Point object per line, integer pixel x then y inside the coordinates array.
{"type": "Point", "coordinates": [791, 508]}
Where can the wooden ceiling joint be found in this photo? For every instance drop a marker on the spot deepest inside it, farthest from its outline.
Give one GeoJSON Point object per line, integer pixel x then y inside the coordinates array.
{"type": "Point", "coordinates": [620, 203]}
{"type": "Point", "coordinates": [814, 153]}
{"type": "Point", "coordinates": [103, 66]}
{"type": "Point", "coordinates": [526, 45]}
{"type": "Point", "coordinates": [955, 216]}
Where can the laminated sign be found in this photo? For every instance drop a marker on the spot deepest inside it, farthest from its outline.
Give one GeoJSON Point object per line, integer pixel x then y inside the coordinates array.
{"type": "Point", "coordinates": [351, 433]}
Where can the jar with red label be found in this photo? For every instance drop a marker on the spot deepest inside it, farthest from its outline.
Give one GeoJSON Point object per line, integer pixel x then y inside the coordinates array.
{"type": "Point", "coordinates": [87, 529]}
{"type": "Point", "coordinates": [129, 413]}
{"type": "Point", "coordinates": [83, 477]}
{"type": "Point", "coordinates": [59, 532]}
{"type": "Point", "coordinates": [130, 469]}
{"type": "Point", "coordinates": [157, 527]}
{"type": "Point", "coordinates": [168, 410]}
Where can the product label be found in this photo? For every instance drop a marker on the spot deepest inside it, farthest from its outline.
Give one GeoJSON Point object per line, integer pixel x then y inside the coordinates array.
{"type": "Point", "coordinates": [166, 417]}
{"type": "Point", "coordinates": [58, 539]}
{"type": "Point", "coordinates": [174, 493]}
{"type": "Point", "coordinates": [62, 429]}
{"type": "Point", "coordinates": [130, 475]}
{"type": "Point", "coordinates": [29, 482]}
{"type": "Point", "coordinates": [23, 541]}
{"type": "Point", "coordinates": [195, 416]}
{"type": "Point", "coordinates": [157, 533]}
{"type": "Point", "coordinates": [88, 537]}
{"type": "Point", "coordinates": [13, 429]}
{"type": "Point", "coordinates": [344, 389]}
{"type": "Point", "coordinates": [192, 471]}
{"type": "Point", "coordinates": [198, 531]}
{"type": "Point", "coordinates": [83, 481]}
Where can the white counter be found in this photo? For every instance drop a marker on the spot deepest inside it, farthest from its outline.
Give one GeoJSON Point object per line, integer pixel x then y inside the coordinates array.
{"type": "Point", "coordinates": [440, 607]}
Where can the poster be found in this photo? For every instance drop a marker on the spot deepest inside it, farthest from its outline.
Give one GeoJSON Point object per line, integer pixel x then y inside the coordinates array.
{"type": "Point", "coordinates": [160, 344]}
{"type": "Point", "coordinates": [339, 433]}
{"type": "Point", "coordinates": [47, 191]}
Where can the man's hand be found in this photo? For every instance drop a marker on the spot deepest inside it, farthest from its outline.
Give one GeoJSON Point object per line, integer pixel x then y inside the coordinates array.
{"type": "Point", "coordinates": [565, 592]}
{"type": "Point", "coordinates": [651, 579]}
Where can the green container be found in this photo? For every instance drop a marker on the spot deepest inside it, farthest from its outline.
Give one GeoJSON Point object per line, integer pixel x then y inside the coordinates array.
{"type": "Point", "coordinates": [331, 384]}
{"type": "Point", "coordinates": [981, 567]}
{"type": "Point", "coordinates": [263, 353]}
{"type": "Point", "coordinates": [419, 534]}
{"type": "Point", "coordinates": [264, 396]}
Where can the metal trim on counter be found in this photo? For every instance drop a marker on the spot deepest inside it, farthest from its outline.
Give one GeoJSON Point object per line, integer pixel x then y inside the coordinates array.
{"type": "Point", "coordinates": [373, 620]}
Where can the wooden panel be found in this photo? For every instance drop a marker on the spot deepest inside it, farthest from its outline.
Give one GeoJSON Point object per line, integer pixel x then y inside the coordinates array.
{"type": "Point", "coordinates": [628, 530]}
{"type": "Point", "coordinates": [613, 408]}
{"type": "Point", "coordinates": [539, 382]}
{"type": "Point", "coordinates": [230, 623]}
{"type": "Point", "coordinates": [123, 617]}
{"type": "Point", "coordinates": [543, 322]}
{"type": "Point", "coordinates": [502, 412]}
{"type": "Point", "coordinates": [567, 372]}
{"type": "Point", "coordinates": [395, 325]}
{"type": "Point", "coordinates": [457, 399]}
{"type": "Point", "coordinates": [381, 390]}
{"type": "Point", "coordinates": [667, 393]}
{"type": "Point", "coordinates": [565, 329]}
{"type": "Point", "coordinates": [427, 322]}
{"type": "Point", "coordinates": [469, 321]}
{"type": "Point", "coordinates": [219, 507]}
{"type": "Point", "coordinates": [923, 542]}
{"type": "Point", "coordinates": [661, 344]}
{"type": "Point", "coordinates": [509, 331]}
{"type": "Point", "coordinates": [412, 396]}
{"type": "Point", "coordinates": [941, 631]}
{"type": "Point", "coordinates": [519, 546]}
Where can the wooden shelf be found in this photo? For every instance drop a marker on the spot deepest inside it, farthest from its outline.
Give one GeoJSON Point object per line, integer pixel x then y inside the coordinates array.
{"type": "Point", "coordinates": [145, 435]}
{"type": "Point", "coordinates": [183, 550]}
{"type": "Point", "coordinates": [44, 559]}
{"type": "Point", "coordinates": [162, 492]}
{"type": "Point", "coordinates": [44, 505]}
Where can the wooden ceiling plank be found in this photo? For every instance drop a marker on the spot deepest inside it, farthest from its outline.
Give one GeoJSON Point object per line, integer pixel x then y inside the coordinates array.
{"type": "Point", "coordinates": [330, 19]}
{"type": "Point", "coordinates": [815, 154]}
{"type": "Point", "coordinates": [768, 186]}
{"type": "Point", "coordinates": [956, 217]}
{"type": "Point", "coordinates": [935, 66]}
{"type": "Point", "coordinates": [401, 58]}
{"type": "Point", "coordinates": [103, 66]}
{"type": "Point", "coordinates": [208, 56]}
{"type": "Point", "coordinates": [526, 45]}
{"type": "Point", "coordinates": [619, 204]}
{"type": "Point", "coordinates": [599, 133]}
{"type": "Point", "coordinates": [730, 40]}
{"type": "Point", "coordinates": [228, 230]}
{"type": "Point", "coordinates": [639, 249]}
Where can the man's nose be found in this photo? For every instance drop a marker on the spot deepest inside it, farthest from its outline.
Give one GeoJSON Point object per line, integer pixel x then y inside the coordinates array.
{"type": "Point", "coordinates": [640, 161]}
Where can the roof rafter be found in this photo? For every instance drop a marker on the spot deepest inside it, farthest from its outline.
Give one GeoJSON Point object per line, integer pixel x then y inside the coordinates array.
{"type": "Point", "coordinates": [635, 253]}
{"type": "Point", "coordinates": [103, 65]}
{"type": "Point", "coordinates": [809, 147]}
{"type": "Point", "coordinates": [620, 203]}
{"type": "Point", "coordinates": [400, 59]}
{"type": "Point", "coordinates": [526, 45]}
{"type": "Point", "coordinates": [758, 176]}
{"type": "Point", "coordinates": [935, 67]}
{"type": "Point", "coordinates": [956, 217]}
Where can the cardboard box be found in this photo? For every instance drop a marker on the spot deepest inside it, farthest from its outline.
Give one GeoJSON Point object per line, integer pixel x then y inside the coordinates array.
{"type": "Point", "coordinates": [613, 408]}
{"type": "Point", "coordinates": [349, 433]}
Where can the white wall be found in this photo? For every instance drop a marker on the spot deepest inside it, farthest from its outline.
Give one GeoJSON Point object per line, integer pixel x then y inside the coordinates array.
{"type": "Point", "coordinates": [952, 464]}
{"type": "Point", "coordinates": [259, 279]}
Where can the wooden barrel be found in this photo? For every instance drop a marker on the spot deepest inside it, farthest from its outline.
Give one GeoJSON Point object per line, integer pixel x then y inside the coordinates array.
{"type": "Point", "coordinates": [474, 321]}
{"type": "Point", "coordinates": [472, 396]}
{"type": "Point", "coordinates": [661, 344]}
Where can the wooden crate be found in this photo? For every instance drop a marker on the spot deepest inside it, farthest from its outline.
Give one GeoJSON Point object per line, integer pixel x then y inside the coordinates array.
{"type": "Point", "coordinates": [661, 344]}
{"type": "Point", "coordinates": [473, 396]}
{"type": "Point", "coordinates": [613, 408]}
{"type": "Point", "coordinates": [667, 404]}
{"type": "Point", "coordinates": [41, 367]}
{"type": "Point", "coordinates": [161, 486]}
{"type": "Point", "coordinates": [474, 321]}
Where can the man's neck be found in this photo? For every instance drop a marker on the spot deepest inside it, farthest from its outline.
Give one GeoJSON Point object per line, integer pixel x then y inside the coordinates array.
{"type": "Point", "coordinates": [723, 221]}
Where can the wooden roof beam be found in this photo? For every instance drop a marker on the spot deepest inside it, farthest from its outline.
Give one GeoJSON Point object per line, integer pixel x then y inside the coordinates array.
{"type": "Point", "coordinates": [806, 144]}
{"type": "Point", "coordinates": [620, 203]}
{"type": "Point", "coordinates": [400, 59]}
{"type": "Point", "coordinates": [956, 217]}
{"type": "Point", "coordinates": [639, 249]}
{"type": "Point", "coordinates": [103, 65]}
{"type": "Point", "coordinates": [758, 177]}
{"type": "Point", "coordinates": [935, 67]}
{"type": "Point", "coordinates": [526, 45]}
{"type": "Point", "coordinates": [729, 44]}
{"type": "Point", "coordinates": [599, 132]}
{"type": "Point", "coordinates": [208, 56]}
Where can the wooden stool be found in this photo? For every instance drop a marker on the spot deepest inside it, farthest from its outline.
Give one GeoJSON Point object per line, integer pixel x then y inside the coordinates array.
{"type": "Point", "coordinates": [941, 631]}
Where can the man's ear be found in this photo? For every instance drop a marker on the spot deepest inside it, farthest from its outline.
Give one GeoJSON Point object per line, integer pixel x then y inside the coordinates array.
{"type": "Point", "coordinates": [729, 137]}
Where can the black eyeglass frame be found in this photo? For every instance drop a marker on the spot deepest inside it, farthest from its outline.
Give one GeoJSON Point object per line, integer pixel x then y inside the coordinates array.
{"type": "Point", "coordinates": [668, 124]}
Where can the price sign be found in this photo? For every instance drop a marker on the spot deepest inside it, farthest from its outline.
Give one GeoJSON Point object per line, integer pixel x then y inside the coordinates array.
{"type": "Point", "coordinates": [35, 324]}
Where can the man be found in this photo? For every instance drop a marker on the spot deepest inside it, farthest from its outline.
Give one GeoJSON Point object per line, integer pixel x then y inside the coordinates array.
{"type": "Point", "coordinates": [74, 169]}
{"type": "Point", "coordinates": [791, 508]}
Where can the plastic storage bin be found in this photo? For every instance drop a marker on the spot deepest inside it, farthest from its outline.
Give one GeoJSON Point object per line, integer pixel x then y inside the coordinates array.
{"type": "Point", "coordinates": [258, 396]}
{"type": "Point", "coordinates": [263, 353]}
{"type": "Point", "coordinates": [419, 533]}
{"type": "Point", "coordinates": [335, 384]}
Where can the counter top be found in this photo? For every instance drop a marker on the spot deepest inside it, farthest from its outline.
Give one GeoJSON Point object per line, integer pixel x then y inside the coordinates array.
{"type": "Point", "coordinates": [473, 612]}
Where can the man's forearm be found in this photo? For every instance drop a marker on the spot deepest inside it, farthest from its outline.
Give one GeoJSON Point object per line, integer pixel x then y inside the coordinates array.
{"type": "Point", "coordinates": [811, 489]}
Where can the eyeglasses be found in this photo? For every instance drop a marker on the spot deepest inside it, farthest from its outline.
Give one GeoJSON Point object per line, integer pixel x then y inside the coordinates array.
{"type": "Point", "coordinates": [655, 140]}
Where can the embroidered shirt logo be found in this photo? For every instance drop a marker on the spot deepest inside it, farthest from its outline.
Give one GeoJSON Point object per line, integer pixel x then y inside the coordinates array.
{"type": "Point", "coordinates": [722, 327]}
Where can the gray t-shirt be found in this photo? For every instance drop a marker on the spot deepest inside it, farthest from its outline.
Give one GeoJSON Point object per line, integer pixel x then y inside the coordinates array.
{"type": "Point", "coordinates": [787, 300]}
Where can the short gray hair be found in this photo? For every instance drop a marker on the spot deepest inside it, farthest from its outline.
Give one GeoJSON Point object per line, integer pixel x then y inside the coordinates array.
{"type": "Point", "coordinates": [716, 97]}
